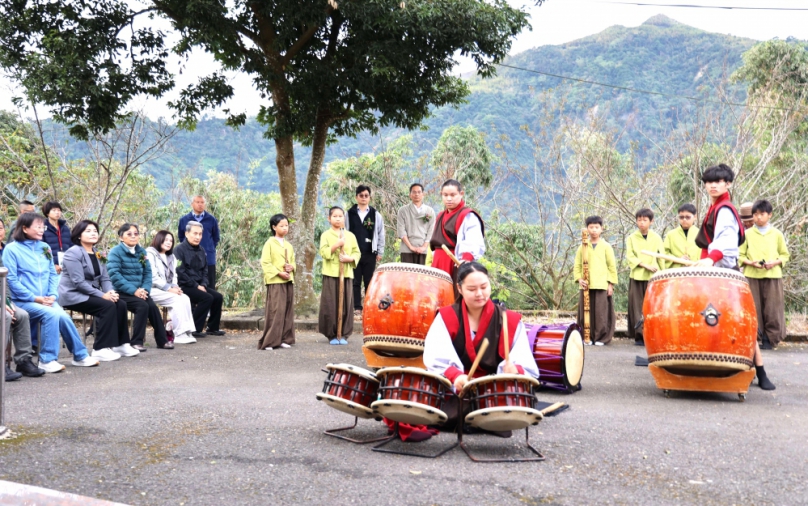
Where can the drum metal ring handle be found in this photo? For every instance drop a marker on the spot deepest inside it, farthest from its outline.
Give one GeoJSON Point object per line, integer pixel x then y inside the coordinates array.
{"type": "Point", "coordinates": [710, 315]}
{"type": "Point", "coordinates": [386, 302]}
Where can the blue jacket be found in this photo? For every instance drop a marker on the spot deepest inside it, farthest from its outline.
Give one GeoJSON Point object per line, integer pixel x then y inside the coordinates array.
{"type": "Point", "coordinates": [30, 273]}
{"type": "Point", "coordinates": [127, 272]}
{"type": "Point", "coordinates": [210, 234]}
{"type": "Point", "coordinates": [51, 238]}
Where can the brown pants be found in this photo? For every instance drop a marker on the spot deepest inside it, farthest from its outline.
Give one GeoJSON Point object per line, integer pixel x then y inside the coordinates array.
{"type": "Point", "coordinates": [279, 316]}
{"type": "Point", "coordinates": [636, 296]}
{"type": "Point", "coordinates": [413, 258]}
{"type": "Point", "coordinates": [329, 300]}
{"type": "Point", "coordinates": [770, 307]}
{"type": "Point", "coordinates": [601, 315]}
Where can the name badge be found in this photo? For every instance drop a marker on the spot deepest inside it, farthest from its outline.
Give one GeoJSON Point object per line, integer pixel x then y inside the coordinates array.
{"type": "Point", "coordinates": [368, 240]}
{"type": "Point", "coordinates": [59, 257]}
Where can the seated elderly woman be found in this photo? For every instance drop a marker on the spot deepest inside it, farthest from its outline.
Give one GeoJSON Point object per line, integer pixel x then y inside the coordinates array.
{"type": "Point", "coordinates": [165, 290]}
{"type": "Point", "coordinates": [131, 275]}
{"type": "Point", "coordinates": [85, 287]}
{"type": "Point", "coordinates": [32, 282]}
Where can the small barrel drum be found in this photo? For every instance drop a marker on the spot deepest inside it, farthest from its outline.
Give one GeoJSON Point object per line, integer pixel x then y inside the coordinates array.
{"type": "Point", "coordinates": [559, 354]}
{"type": "Point", "coordinates": [400, 305]}
{"type": "Point", "coordinates": [350, 389]}
{"type": "Point", "coordinates": [502, 402]}
{"type": "Point", "coordinates": [411, 395]}
{"type": "Point", "coordinates": [700, 321]}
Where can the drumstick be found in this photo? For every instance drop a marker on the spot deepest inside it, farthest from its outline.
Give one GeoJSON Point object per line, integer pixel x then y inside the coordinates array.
{"type": "Point", "coordinates": [669, 258]}
{"type": "Point", "coordinates": [341, 298]}
{"type": "Point", "coordinates": [551, 408]}
{"type": "Point", "coordinates": [451, 255]}
{"type": "Point", "coordinates": [480, 353]}
{"type": "Point", "coordinates": [505, 336]}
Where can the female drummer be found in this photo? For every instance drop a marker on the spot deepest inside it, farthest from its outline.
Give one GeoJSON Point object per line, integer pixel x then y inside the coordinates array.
{"type": "Point", "coordinates": [458, 330]}
{"type": "Point", "coordinates": [337, 246]}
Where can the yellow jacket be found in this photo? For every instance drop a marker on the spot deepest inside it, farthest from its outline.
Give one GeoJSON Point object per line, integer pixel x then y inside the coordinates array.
{"type": "Point", "coordinates": [273, 257]}
{"type": "Point", "coordinates": [636, 243]}
{"type": "Point", "coordinates": [331, 260]}
{"type": "Point", "coordinates": [679, 245]}
{"type": "Point", "coordinates": [602, 266]}
{"type": "Point", "coordinates": [769, 246]}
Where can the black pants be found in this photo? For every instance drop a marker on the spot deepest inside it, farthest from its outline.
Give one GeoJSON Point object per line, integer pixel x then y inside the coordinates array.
{"type": "Point", "coordinates": [111, 326]}
{"type": "Point", "coordinates": [145, 311]}
{"type": "Point", "coordinates": [363, 274]}
{"type": "Point", "coordinates": [413, 258]}
{"type": "Point", "coordinates": [212, 276]}
{"type": "Point", "coordinates": [211, 300]}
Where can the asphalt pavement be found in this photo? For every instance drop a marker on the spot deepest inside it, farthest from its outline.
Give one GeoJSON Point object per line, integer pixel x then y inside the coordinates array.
{"type": "Point", "coordinates": [220, 422]}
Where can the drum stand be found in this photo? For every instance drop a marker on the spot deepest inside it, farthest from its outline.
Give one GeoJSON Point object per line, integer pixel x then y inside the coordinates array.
{"type": "Point", "coordinates": [330, 432]}
{"type": "Point", "coordinates": [378, 448]}
{"type": "Point", "coordinates": [539, 458]}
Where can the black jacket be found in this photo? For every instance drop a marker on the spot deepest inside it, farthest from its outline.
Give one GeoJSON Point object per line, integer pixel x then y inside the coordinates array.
{"type": "Point", "coordinates": [192, 266]}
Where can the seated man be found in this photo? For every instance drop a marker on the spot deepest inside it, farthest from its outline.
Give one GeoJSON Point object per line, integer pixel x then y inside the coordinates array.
{"type": "Point", "coordinates": [192, 278]}
{"type": "Point", "coordinates": [18, 328]}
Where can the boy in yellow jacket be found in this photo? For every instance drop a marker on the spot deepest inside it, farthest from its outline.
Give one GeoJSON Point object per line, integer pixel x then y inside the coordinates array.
{"type": "Point", "coordinates": [600, 283]}
{"type": "Point", "coordinates": [762, 256]}
{"type": "Point", "coordinates": [642, 268]}
{"type": "Point", "coordinates": [278, 266]}
{"type": "Point", "coordinates": [681, 241]}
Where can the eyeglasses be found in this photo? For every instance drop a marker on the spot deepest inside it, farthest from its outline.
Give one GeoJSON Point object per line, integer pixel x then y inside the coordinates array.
{"type": "Point", "coordinates": [132, 234]}
{"type": "Point", "coordinates": [686, 217]}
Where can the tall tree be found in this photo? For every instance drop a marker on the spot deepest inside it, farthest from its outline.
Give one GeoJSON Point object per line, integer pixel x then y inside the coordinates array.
{"type": "Point", "coordinates": [326, 68]}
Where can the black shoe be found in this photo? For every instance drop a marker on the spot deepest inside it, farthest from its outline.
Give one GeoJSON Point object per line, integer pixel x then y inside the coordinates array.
{"type": "Point", "coordinates": [639, 342]}
{"type": "Point", "coordinates": [199, 334]}
{"type": "Point", "coordinates": [765, 383]}
{"type": "Point", "coordinates": [215, 332]}
{"type": "Point", "coordinates": [11, 375]}
{"type": "Point", "coordinates": [765, 343]}
{"type": "Point", "coordinates": [27, 368]}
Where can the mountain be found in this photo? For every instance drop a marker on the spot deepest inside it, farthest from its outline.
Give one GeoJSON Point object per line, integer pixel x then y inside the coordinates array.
{"type": "Point", "coordinates": [661, 56]}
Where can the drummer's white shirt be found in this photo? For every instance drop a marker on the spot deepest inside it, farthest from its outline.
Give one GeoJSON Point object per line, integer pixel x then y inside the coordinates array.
{"type": "Point", "coordinates": [440, 354]}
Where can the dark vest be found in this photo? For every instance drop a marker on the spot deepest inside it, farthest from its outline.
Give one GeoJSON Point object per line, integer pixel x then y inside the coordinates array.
{"type": "Point", "coordinates": [447, 226]}
{"type": "Point", "coordinates": [452, 317]}
{"type": "Point", "coordinates": [363, 232]}
{"type": "Point", "coordinates": [707, 230]}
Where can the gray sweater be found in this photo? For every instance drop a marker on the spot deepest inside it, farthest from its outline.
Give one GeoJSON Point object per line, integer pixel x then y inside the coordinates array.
{"type": "Point", "coordinates": [414, 225]}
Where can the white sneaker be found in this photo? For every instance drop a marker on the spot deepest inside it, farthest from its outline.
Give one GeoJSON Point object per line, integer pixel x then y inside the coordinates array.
{"type": "Point", "coordinates": [598, 343]}
{"type": "Point", "coordinates": [87, 362]}
{"type": "Point", "coordinates": [105, 355]}
{"type": "Point", "coordinates": [184, 339]}
{"type": "Point", "coordinates": [52, 366]}
{"type": "Point", "coordinates": [284, 345]}
{"type": "Point", "coordinates": [126, 350]}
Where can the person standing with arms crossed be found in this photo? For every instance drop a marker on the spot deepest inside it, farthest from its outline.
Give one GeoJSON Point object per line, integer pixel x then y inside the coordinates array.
{"type": "Point", "coordinates": [210, 236]}
{"type": "Point", "coordinates": [414, 227]}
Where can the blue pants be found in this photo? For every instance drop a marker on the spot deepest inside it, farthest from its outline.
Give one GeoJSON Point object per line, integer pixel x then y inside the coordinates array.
{"type": "Point", "coordinates": [54, 322]}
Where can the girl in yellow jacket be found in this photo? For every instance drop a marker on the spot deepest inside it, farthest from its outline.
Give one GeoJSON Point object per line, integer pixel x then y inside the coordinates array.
{"type": "Point", "coordinates": [278, 264]}
{"type": "Point", "coordinates": [337, 246]}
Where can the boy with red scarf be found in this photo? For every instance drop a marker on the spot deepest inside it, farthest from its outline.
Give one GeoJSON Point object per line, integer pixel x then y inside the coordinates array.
{"type": "Point", "coordinates": [721, 236]}
{"type": "Point", "coordinates": [459, 228]}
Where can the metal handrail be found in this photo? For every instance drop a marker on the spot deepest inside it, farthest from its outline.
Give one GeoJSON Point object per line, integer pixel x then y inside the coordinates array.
{"type": "Point", "coordinates": [3, 339]}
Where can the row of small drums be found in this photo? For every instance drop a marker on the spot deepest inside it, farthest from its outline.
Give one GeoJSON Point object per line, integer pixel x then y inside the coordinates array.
{"type": "Point", "coordinates": [415, 396]}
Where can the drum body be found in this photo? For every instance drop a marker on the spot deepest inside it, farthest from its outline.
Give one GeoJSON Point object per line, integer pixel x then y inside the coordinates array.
{"type": "Point", "coordinates": [400, 305]}
{"type": "Point", "coordinates": [502, 402]}
{"type": "Point", "coordinates": [350, 389]}
{"type": "Point", "coordinates": [411, 395]}
{"type": "Point", "coordinates": [700, 321]}
{"type": "Point", "coordinates": [559, 354]}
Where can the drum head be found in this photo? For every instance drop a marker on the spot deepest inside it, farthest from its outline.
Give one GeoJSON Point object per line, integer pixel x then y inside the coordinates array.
{"type": "Point", "coordinates": [416, 269]}
{"type": "Point", "coordinates": [504, 418]}
{"type": "Point", "coordinates": [574, 357]}
{"type": "Point", "coordinates": [355, 370]}
{"type": "Point", "coordinates": [381, 373]}
{"type": "Point", "coordinates": [346, 406]}
{"type": "Point", "coordinates": [501, 377]}
{"type": "Point", "coordinates": [409, 412]}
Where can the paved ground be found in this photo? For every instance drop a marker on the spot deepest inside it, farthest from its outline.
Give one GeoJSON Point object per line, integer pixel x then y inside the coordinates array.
{"type": "Point", "coordinates": [222, 423]}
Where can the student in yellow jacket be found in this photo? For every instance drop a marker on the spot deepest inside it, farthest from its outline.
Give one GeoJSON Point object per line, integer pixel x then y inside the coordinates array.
{"type": "Point", "coordinates": [681, 241]}
{"type": "Point", "coordinates": [278, 264]}
{"type": "Point", "coordinates": [763, 255]}
{"type": "Point", "coordinates": [337, 246]}
{"type": "Point", "coordinates": [600, 283]}
{"type": "Point", "coordinates": [642, 268]}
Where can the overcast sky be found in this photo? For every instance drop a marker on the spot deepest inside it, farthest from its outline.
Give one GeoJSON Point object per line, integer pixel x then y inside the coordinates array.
{"type": "Point", "coordinates": [555, 22]}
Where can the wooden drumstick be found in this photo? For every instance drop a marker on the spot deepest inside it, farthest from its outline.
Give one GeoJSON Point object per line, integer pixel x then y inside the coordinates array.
{"type": "Point", "coordinates": [480, 353]}
{"type": "Point", "coordinates": [451, 255]}
{"type": "Point", "coordinates": [552, 407]}
{"type": "Point", "coordinates": [341, 298]}
{"type": "Point", "coordinates": [505, 336]}
{"type": "Point", "coordinates": [669, 258]}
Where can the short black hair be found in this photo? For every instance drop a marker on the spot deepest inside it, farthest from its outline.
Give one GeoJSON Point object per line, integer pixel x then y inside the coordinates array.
{"type": "Point", "coordinates": [594, 220]}
{"type": "Point", "coordinates": [50, 206]}
{"type": "Point", "coordinates": [79, 228]}
{"type": "Point", "coordinates": [125, 228]}
{"type": "Point", "coordinates": [417, 184]}
{"type": "Point", "coordinates": [273, 222]}
{"type": "Point", "coordinates": [334, 208]}
{"type": "Point", "coordinates": [26, 220]}
{"type": "Point", "coordinates": [687, 208]}
{"type": "Point", "coordinates": [720, 172]}
{"type": "Point", "coordinates": [26, 203]}
{"type": "Point", "coordinates": [644, 213]}
{"type": "Point", "coordinates": [361, 188]}
{"type": "Point", "coordinates": [159, 239]}
{"type": "Point", "coordinates": [762, 206]}
{"type": "Point", "coordinates": [452, 182]}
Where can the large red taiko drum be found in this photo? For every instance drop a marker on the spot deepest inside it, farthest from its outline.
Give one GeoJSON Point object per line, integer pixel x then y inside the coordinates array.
{"type": "Point", "coordinates": [400, 305]}
{"type": "Point", "coordinates": [700, 321]}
